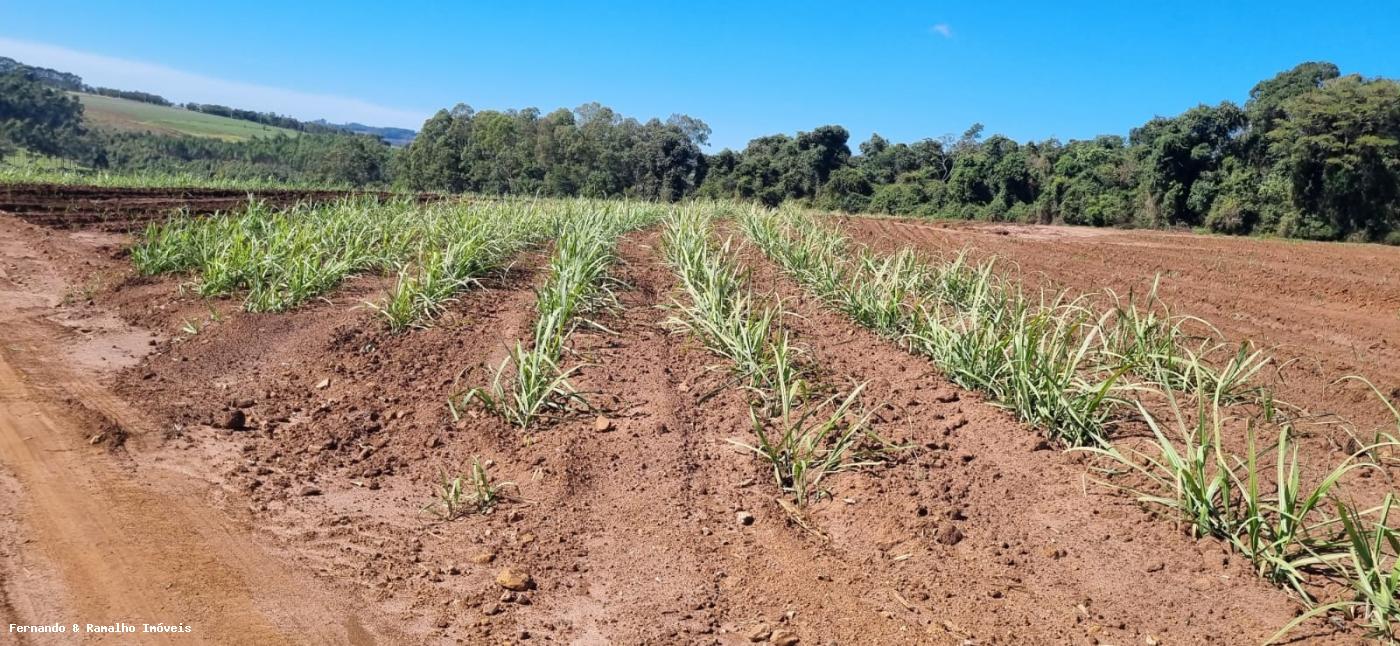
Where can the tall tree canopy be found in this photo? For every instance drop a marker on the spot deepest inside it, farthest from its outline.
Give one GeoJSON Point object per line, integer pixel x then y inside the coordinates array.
{"type": "Point", "coordinates": [1311, 154]}
{"type": "Point", "coordinates": [590, 151]}
{"type": "Point", "coordinates": [39, 118]}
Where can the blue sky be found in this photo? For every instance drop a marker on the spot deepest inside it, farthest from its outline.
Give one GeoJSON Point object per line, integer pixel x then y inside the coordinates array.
{"type": "Point", "coordinates": [907, 70]}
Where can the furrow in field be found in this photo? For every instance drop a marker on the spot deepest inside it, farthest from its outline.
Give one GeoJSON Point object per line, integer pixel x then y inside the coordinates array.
{"type": "Point", "coordinates": [624, 538]}
{"type": "Point", "coordinates": [1326, 309]}
{"type": "Point", "coordinates": [977, 514]}
{"type": "Point", "coordinates": [1201, 467]}
{"type": "Point", "coordinates": [533, 384]}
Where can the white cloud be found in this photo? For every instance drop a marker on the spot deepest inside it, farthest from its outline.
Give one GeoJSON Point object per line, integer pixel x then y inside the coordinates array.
{"type": "Point", "coordinates": [942, 29]}
{"type": "Point", "coordinates": [183, 87]}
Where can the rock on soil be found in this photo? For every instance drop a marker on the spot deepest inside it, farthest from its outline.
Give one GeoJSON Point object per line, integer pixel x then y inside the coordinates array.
{"type": "Point", "coordinates": [949, 534]}
{"type": "Point", "coordinates": [234, 420]}
{"type": "Point", "coordinates": [514, 579]}
{"type": "Point", "coordinates": [784, 638]}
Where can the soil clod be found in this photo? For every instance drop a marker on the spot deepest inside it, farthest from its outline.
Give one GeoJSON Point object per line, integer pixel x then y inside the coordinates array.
{"type": "Point", "coordinates": [514, 579]}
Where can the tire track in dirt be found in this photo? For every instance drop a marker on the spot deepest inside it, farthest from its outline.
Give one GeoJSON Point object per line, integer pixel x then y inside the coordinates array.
{"type": "Point", "coordinates": [124, 543]}
{"type": "Point", "coordinates": [990, 536]}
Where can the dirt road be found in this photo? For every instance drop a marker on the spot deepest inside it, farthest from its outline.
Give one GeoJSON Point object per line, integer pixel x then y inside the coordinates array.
{"type": "Point", "coordinates": [90, 536]}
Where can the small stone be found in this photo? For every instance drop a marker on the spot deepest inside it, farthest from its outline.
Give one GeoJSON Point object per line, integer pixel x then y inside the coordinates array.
{"type": "Point", "coordinates": [242, 403]}
{"type": "Point", "coordinates": [234, 420]}
{"type": "Point", "coordinates": [744, 517]}
{"type": "Point", "coordinates": [514, 579]}
{"type": "Point", "coordinates": [482, 558]}
{"type": "Point", "coordinates": [310, 490]}
{"type": "Point", "coordinates": [759, 633]}
{"type": "Point", "coordinates": [949, 534]}
{"type": "Point", "coordinates": [323, 384]}
{"type": "Point", "coordinates": [784, 638]}
{"type": "Point", "coordinates": [603, 424]}
{"type": "Point", "coordinates": [1156, 566]}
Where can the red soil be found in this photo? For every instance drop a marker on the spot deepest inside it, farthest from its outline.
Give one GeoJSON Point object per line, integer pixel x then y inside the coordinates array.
{"type": "Point", "coordinates": [1326, 310]}
{"type": "Point", "coordinates": [130, 209]}
{"type": "Point", "coordinates": [631, 527]}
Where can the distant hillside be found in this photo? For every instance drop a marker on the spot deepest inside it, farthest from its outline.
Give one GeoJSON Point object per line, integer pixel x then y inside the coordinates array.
{"type": "Point", "coordinates": [55, 78]}
{"type": "Point", "coordinates": [123, 110]}
{"type": "Point", "coordinates": [392, 136]}
{"type": "Point", "coordinates": [124, 115]}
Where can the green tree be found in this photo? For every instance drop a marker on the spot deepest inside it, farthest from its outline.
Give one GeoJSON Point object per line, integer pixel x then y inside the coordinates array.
{"type": "Point", "coordinates": [1339, 147]}
{"type": "Point", "coordinates": [1266, 98]}
{"type": "Point", "coordinates": [42, 119]}
{"type": "Point", "coordinates": [1177, 156]}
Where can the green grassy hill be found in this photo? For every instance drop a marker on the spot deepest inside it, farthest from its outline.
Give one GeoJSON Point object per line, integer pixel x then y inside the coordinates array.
{"type": "Point", "coordinates": [109, 113]}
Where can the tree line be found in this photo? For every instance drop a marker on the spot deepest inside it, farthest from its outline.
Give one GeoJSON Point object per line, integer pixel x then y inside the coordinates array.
{"type": "Point", "coordinates": [590, 151]}
{"type": "Point", "coordinates": [1311, 154]}
{"type": "Point", "coordinates": [266, 118]}
{"type": "Point", "coordinates": [130, 95]}
{"type": "Point", "coordinates": [74, 83]}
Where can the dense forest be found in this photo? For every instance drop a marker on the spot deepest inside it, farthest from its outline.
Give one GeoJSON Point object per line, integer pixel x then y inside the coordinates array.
{"type": "Point", "coordinates": [47, 76]}
{"type": "Point", "coordinates": [1311, 154]}
{"type": "Point", "coordinates": [41, 119]}
{"type": "Point", "coordinates": [589, 151]}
